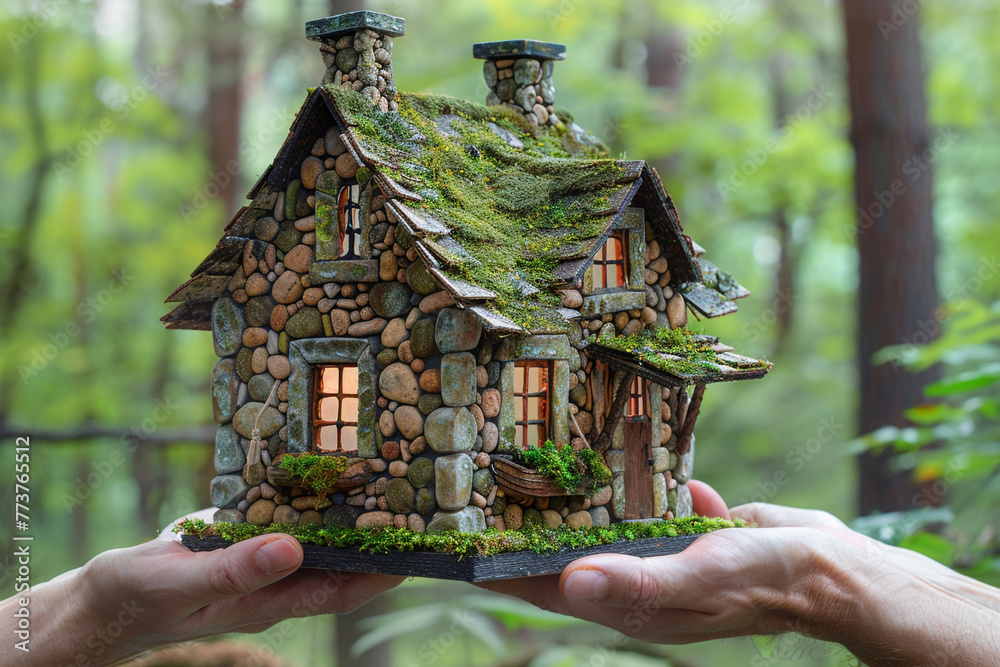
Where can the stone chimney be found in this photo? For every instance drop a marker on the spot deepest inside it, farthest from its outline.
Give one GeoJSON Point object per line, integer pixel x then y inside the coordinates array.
{"type": "Point", "coordinates": [519, 74]}
{"type": "Point", "coordinates": [357, 51]}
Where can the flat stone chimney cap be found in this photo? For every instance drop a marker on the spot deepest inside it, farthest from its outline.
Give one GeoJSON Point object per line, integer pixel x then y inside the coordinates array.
{"type": "Point", "coordinates": [519, 48]}
{"type": "Point", "coordinates": [344, 24]}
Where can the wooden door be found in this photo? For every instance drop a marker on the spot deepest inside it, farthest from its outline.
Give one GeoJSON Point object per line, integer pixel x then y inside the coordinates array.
{"type": "Point", "coordinates": [638, 468]}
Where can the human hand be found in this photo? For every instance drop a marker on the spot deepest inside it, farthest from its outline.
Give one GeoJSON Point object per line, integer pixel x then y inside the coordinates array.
{"type": "Point", "coordinates": [801, 571]}
{"type": "Point", "coordinates": [127, 600]}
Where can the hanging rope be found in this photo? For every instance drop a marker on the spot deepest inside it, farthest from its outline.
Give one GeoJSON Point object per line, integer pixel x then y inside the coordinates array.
{"type": "Point", "coordinates": [254, 472]}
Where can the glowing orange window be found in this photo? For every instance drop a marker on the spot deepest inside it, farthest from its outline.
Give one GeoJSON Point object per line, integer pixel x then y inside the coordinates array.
{"type": "Point", "coordinates": [636, 407]}
{"type": "Point", "coordinates": [349, 221]}
{"type": "Point", "coordinates": [609, 263]}
{"type": "Point", "coordinates": [335, 421]}
{"type": "Point", "coordinates": [531, 402]}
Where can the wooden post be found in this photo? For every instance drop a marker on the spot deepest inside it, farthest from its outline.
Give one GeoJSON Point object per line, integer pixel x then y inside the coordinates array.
{"type": "Point", "coordinates": [684, 437]}
{"type": "Point", "coordinates": [603, 442]}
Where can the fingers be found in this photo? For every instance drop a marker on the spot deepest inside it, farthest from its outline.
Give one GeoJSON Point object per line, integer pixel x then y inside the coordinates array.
{"type": "Point", "coordinates": [621, 581]}
{"type": "Point", "coordinates": [706, 501]}
{"type": "Point", "coordinates": [775, 516]}
{"type": "Point", "coordinates": [235, 571]}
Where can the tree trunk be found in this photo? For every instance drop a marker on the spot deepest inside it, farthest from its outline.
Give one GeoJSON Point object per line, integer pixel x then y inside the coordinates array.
{"type": "Point", "coordinates": [222, 114]}
{"type": "Point", "coordinates": [897, 292]}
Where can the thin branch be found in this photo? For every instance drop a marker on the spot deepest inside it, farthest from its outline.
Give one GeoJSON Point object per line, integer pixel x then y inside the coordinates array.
{"type": "Point", "coordinates": [603, 442]}
{"type": "Point", "coordinates": [684, 437]}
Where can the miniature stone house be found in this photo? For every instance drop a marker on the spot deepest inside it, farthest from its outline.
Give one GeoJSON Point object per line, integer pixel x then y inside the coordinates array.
{"type": "Point", "coordinates": [430, 284]}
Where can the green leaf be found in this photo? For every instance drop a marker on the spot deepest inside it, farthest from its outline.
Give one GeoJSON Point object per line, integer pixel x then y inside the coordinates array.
{"type": "Point", "coordinates": [930, 545]}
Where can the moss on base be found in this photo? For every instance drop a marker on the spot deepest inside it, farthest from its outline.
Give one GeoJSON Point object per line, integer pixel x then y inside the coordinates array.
{"type": "Point", "coordinates": [489, 543]}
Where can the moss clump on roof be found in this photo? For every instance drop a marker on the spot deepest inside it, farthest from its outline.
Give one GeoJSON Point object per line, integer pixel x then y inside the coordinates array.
{"type": "Point", "coordinates": [489, 543]}
{"type": "Point", "coordinates": [512, 209]}
{"type": "Point", "coordinates": [679, 352]}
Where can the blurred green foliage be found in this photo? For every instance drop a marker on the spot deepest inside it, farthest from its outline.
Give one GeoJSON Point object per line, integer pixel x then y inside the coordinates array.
{"type": "Point", "coordinates": [102, 108]}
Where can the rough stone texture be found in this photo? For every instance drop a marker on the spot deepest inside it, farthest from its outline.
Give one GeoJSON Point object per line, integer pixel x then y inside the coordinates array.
{"type": "Point", "coordinates": [390, 299]}
{"type": "Point", "coordinates": [287, 288]}
{"type": "Point", "coordinates": [395, 332]}
{"type": "Point", "coordinates": [299, 258]}
{"type": "Point", "coordinates": [229, 456]}
{"type": "Point", "coordinates": [340, 516]}
{"type": "Point", "coordinates": [421, 472]}
{"type": "Point", "coordinates": [430, 380]}
{"type": "Point", "coordinates": [513, 517]}
{"type": "Point", "coordinates": [468, 520]}
{"type": "Point", "coordinates": [685, 465]}
{"type": "Point", "coordinates": [420, 280]}
{"type": "Point", "coordinates": [258, 311]}
{"type": "Point", "coordinates": [491, 403]}
{"type": "Point", "coordinates": [422, 338]}
{"type": "Point", "coordinates": [286, 514]}
{"type": "Point", "coordinates": [425, 501]}
{"type": "Point", "coordinates": [551, 518]}
{"type": "Point", "coordinates": [261, 512]}
{"type": "Point", "coordinates": [491, 436]}
{"type": "Point", "coordinates": [602, 496]}
{"type": "Point", "coordinates": [661, 460]}
{"type": "Point", "coordinates": [677, 311]}
{"type": "Point", "coordinates": [615, 461]}
{"type": "Point", "coordinates": [279, 368]}
{"type": "Point", "coordinates": [450, 430]}
{"type": "Point", "coordinates": [432, 303]}
{"type": "Point", "coordinates": [659, 495]}
{"type": "Point", "coordinates": [228, 516]}
{"type": "Point", "coordinates": [398, 383]}
{"type": "Point", "coordinates": [483, 482]}
{"type": "Point", "coordinates": [599, 516]}
{"type": "Point", "coordinates": [618, 496]}
{"type": "Point", "coordinates": [374, 519]}
{"type": "Point", "coordinates": [225, 388]}
{"type": "Point", "coordinates": [457, 330]}
{"type": "Point", "coordinates": [458, 379]}
{"type": "Point", "coordinates": [684, 504]}
{"type": "Point", "coordinates": [428, 403]}
{"type": "Point", "coordinates": [409, 421]}
{"type": "Point", "coordinates": [228, 490]}
{"type": "Point", "coordinates": [368, 328]}
{"type": "Point", "coordinates": [581, 519]}
{"type": "Point", "coordinates": [401, 495]}
{"type": "Point", "coordinates": [453, 481]}
{"type": "Point", "coordinates": [305, 323]}
{"type": "Point", "coordinates": [270, 422]}
{"type": "Point", "coordinates": [227, 327]}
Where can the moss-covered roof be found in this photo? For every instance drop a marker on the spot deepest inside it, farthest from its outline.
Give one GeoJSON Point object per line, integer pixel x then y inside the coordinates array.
{"type": "Point", "coordinates": [677, 357]}
{"type": "Point", "coordinates": [491, 201]}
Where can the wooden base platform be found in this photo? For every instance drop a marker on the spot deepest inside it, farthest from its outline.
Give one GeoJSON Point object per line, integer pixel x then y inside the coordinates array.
{"type": "Point", "coordinates": [449, 566]}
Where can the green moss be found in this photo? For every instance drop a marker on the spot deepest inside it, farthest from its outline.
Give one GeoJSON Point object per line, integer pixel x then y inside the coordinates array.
{"type": "Point", "coordinates": [514, 211]}
{"type": "Point", "coordinates": [489, 543]}
{"type": "Point", "coordinates": [567, 467]}
{"type": "Point", "coordinates": [318, 473]}
{"type": "Point", "coordinates": [679, 352]}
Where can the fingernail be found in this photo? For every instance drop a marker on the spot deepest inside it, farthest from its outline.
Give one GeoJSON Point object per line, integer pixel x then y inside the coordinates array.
{"type": "Point", "coordinates": [591, 585]}
{"type": "Point", "coordinates": [277, 556]}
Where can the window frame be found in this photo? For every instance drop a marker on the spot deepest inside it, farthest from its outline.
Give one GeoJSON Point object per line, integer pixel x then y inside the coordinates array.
{"type": "Point", "coordinates": [637, 406]}
{"type": "Point", "coordinates": [349, 206]}
{"type": "Point", "coordinates": [603, 264]}
{"type": "Point", "coordinates": [632, 294]}
{"type": "Point", "coordinates": [319, 395]}
{"type": "Point", "coordinates": [304, 356]}
{"type": "Point", "coordinates": [521, 402]}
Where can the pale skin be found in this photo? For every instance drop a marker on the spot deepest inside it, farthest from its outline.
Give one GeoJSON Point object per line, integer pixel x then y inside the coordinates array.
{"type": "Point", "coordinates": [801, 571]}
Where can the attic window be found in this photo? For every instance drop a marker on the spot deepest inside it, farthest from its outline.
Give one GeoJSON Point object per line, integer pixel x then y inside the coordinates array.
{"type": "Point", "coordinates": [349, 221]}
{"type": "Point", "coordinates": [609, 270]}
{"type": "Point", "coordinates": [531, 402]}
{"type": "Point", "coordinates": [335, 423]}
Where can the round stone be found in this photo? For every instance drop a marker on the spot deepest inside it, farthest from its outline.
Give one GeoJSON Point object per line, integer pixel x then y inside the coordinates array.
{"type": "Point", "coordinates": [311, 168]}
{"type": "Point", "coordinates": [491, 403]}
{"type": "Point", "coordinates": [395, 332]}
{"type": "Point", "coordinates": [299, 258]}
{"type": "Point", "coordinates": [527, 71]}
{"type": "Point", "coordinates": [258, 362]}
{"type": "Point", "coordinates": [278, 367]}
{"type": "Point", "coordinates": [430, 380]}
{"type": "Point", "coordinates": [428, 403]}
{"type": "Point", "coordinates": [340, 516]}
{"type": "Point", "coordinates": [386, 424]}
{"type": "Point", "coordinates": [390, 299]}
{"type": "Point", "coordinates": [374, 519]}
{"type": "Point", "coordinates": [449, 430]}
{"type": "Point", "coordinates": [306, 323]}
{"type": "Point", "coordinates": [409, 421]}
{"type": "Point", "coordinates": [261, 513]}
{"type": "Point", "coordinates": [513, 517]}
{"type": "Point", "coordinates": [401, 495]}
{"type": "Point", "coordinates": [257, 285]}
{"type": "Point", "coordinates": [490, 73]}
{"type": "Point", "coordinates": [286, 514]}
{"type": "Point", "coordinates": [270, 422]}
{"type": "Point", "coordinates": [398, 383]}
{"type": "Point", "coordinates": [287, 288]}
{"type": "Point", "coordinates": [425, 501]}
{"type": "Point", "coordinates": [422, 338]}
{"type": "Point", "coordinates": [505, 91]}
{"type": "Point", "coordinates": [345, 166]}
{"type": "Point", "coordinates": [419, 280]}
{"type": "Point", "coordinates": [421, 472]}
{"type": "Point", "coordinates": [398, 468]}
{"type": "Point", "coordinates": [491, 435]}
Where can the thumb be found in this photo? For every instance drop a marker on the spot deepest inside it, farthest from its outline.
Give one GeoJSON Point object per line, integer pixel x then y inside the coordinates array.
{"type": "Point", "coordinates": [237, 570]}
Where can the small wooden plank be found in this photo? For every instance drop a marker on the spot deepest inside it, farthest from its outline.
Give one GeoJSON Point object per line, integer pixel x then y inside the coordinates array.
{"type": "Point", "coordinates": [638, 471]}
{"type": "Point", "coordinates": [191, 315]}
{"type": "Point", "coordinates": [225, 259]}
{"type": "Point", "coordinates": [421, 223]}
{"type": "Point", "coordinates": [202, 287]}
{"type": "Point", "coordinates": [469, 568]}
{"type": "Point", "coordinates": [493, 321]}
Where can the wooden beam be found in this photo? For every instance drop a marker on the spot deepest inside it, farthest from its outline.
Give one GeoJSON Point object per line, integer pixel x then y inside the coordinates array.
{"type": "Point", "coordinates": [603, 442]}
{"type": "Point", "coordinates": [684, 437]}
